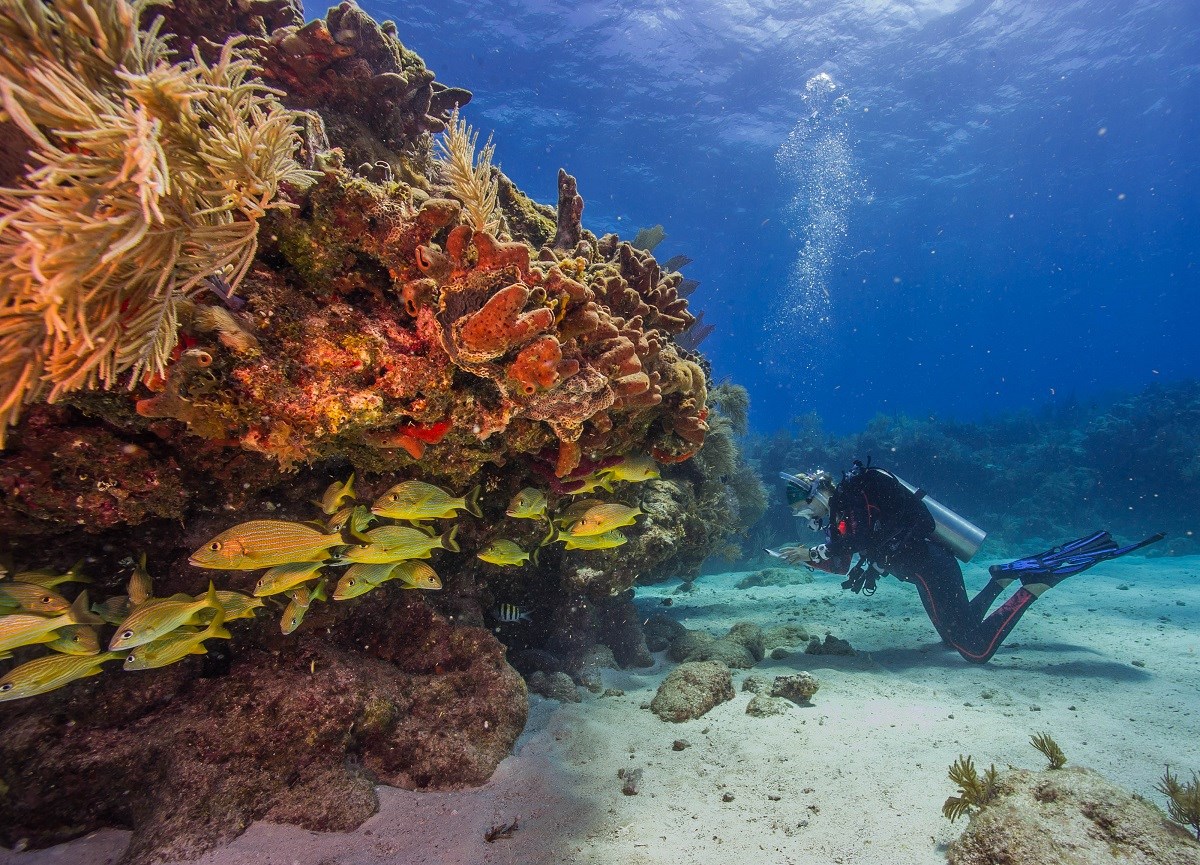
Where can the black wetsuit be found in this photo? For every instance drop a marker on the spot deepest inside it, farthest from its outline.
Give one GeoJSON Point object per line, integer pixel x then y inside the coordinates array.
{"type": "Point", "coordinates": [874, 515]}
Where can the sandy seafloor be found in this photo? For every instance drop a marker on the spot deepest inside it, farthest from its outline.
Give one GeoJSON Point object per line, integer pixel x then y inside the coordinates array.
{"type": "Point", "coordinates": [1108, 663]}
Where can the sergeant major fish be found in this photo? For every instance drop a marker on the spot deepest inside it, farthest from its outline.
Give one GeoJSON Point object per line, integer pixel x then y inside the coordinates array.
{"type": "Point", "coordinates": [511, 614]}
{"type": "Point", "coordinates": [417, 500]}
{"type": "Point", "coordinates": [264, 544]}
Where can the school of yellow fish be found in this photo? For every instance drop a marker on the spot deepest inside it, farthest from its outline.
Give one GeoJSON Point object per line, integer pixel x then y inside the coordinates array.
{"type": "Point", "coordinates": [297, 559]}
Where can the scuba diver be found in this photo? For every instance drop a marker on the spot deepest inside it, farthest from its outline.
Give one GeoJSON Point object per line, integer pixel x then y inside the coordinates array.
{"type": "Point", "coordinates": [897, 529]}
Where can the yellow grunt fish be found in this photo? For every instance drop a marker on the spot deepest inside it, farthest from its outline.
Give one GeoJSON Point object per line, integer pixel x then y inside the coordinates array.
{"type": "Point", "coordinates": [235, 604]}
{"type": "Point", "coordinates": [264, 544]}
{"type": "Point", "coordinates": [141, 587]}
{"type": "Point", "coordinates": [52, 671]}
{"type": "Point", "coordinates": [337, 494]}
{"type": "Point", "coordinates": [176, 645]}
{"type": "Point", "coordinates": [303, 596]}
{"type": "Point", "coordinates": [76, 640]}
{"type": "Point", "coordinates": [357, 518]}
{"type": "Point", "coordinates": [50, 579]}
{"type": "Point", "coordinates": [32, 598]}
{"type": "Point", "coordinates": [360, 579]}
{"type": "Point", "coordinates": [114, 610]}
{"type": "Point", "coordinates": [503, 552]}
{"type": "Point", "coordinates": [152, 619]}
{"type": "Point", "coordinates": [397, 543]}
{"type": "Point", "coordinates": [633, 469]}
{"type": "Point", "coordinates": [283, 577]}
{"type": "Point", "coordinates": [293, 616]}
{"type": "Point", "coordinates": [604, 518]}
{"type": "Point", "coordinates": [606, 541]}
{"type": "Point", "coordinates": [417, 500]}
{"type": "Point", "coordinates": [572, 512]}
{"type": "Point", "coordinates": [592, 483]}
{"type": "Point", "coordinates": [528, 504]}
{"type": "Point", "coordinates": [26, 629]}
{"type": "Point", "coordinates": [416, 575]}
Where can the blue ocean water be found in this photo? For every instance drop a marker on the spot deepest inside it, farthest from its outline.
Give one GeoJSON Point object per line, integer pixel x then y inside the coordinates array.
{"type": "Point", "coordinates": [953, 207]}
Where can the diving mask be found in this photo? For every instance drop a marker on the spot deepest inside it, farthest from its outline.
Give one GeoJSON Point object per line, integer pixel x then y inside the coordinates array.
{"type": "Point", "coordinates": [808, 496]}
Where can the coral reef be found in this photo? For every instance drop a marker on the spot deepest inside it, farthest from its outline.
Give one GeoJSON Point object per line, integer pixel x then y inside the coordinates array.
{"type": "Point", "coordinates": [187, 757]}
{"type": "Point", "coordinates": [415, 318]}
{"type": "Point", "coordinates": [152, 178]}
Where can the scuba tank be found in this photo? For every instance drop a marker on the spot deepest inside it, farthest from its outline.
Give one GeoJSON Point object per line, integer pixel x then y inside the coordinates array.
{"type": "Point", "coordinates": [957, 534]}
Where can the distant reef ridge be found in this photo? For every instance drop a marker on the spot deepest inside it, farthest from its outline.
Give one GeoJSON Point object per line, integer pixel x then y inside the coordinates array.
{"type": "Point", "coordinates": [1130, 464]}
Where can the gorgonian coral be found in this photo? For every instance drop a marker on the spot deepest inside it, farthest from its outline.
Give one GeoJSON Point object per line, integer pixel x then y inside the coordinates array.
{"type": "Point", "coordinates": [148, 180]}
{"type": "Point", "coordinates": [470, 176]}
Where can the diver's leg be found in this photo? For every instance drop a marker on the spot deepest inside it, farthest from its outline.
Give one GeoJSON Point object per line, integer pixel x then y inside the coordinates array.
{"type": "Point", "coordinates": [983, 601]}
{"type": "Point", "coordinates": [939, 583]}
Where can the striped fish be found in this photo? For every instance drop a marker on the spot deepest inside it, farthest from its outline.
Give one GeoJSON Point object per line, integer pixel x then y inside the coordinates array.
{"type": "Point", "coordinates": [416, 575]}
{"type": "Point", "coordinates": [283, 577]}
{"type": "Point", "coordinates": [511, 614]}
{"type": "Point", "coordinates": [396, 543]}
{"type": "Point", "coordinates": [236, 605]}
{"type": "Point", "coordinates": [27, 629]}
{"type": "Point", "coordinates": [264, 544]}
{"type": "Point", "coordinates": [176, 646]}
{"type": "Point", "coordinates": [52, 671]}
{"type": "Point", "coordinates": [604, 518]}
{"type": "Point", "coordinates": [76, 640]}
{"type": "Point", "coordinates": [606, 541]}
{"type": "Point", "coordinates": [362, 578]}
{"type": "Point", "coordinates": [50, 579]}
{"type": "Point", "coordinates": [154, 618]}
{"type": "Point", "coordinates": [417, 500]}
{"type": "Point", "coordinates": [337, 494]}
{"type": "Point", "coordinates": [32, 598]}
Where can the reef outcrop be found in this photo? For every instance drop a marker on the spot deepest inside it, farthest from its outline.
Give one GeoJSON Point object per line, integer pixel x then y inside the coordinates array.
{"type": "Point", "coordinates": [300, 732]}
{"type": "Point", "coordinates": [350, 296]}
{"type": "Point", "coordinates": [1070, 816]}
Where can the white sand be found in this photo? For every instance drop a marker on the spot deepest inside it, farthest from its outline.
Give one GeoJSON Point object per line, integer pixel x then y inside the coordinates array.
{"type": "Point", "coordinates": [859, 777]}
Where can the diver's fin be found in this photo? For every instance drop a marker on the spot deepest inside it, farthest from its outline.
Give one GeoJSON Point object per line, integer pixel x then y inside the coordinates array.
{"type": "Point", "coordinates": [1040, 572]}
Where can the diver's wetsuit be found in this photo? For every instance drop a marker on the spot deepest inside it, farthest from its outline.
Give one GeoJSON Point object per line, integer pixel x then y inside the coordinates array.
{"type": "Point", "coordinates": [873, 514]}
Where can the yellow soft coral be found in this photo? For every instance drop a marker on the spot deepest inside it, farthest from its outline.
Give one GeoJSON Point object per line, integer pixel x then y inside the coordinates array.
{"type": "Point", "coordinates": [150, 178]}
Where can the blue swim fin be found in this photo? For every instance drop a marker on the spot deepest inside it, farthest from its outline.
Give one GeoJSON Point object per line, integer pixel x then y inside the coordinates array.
{"type": "Point", "coordinates": [1067, 559]}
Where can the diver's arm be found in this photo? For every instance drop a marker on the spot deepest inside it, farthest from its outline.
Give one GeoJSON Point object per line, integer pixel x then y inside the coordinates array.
{"type": "Point", "coordinates": [818, 557]}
